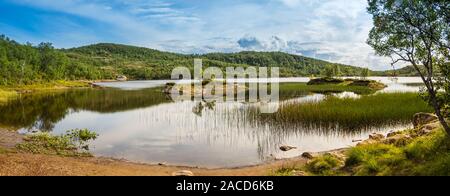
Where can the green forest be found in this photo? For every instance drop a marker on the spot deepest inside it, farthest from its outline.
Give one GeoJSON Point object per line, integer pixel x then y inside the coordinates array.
{"type": "Point", "coordinates": [27, 63]}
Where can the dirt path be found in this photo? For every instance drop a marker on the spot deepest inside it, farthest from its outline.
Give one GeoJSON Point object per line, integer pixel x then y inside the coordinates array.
{"type": "Point", "coordinates": [45, 165]}
{"type": "Point", "coordinates": [24, 164]}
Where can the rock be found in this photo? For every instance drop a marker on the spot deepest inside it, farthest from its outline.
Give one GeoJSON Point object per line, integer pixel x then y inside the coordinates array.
{"type": "Point", "coordinates": [287, 148]}
{"type": "Point", "coordinates": [162, 164]}
{"type": "Point", "coordinates": [183, 173]}
{"type": "Point", "coordinates": [398, 140]}
{"type": "Point", "coordinates": [299, 173]}
{"type": "Point", "coordinates": [121, 78]}
{"type": "Point", "coordinates": [354, 141]}
{"type": "Point", "coordinates": [376, 136]}
{"type": "Point", "coordinates": [367, 142]}
{"type": "Point", "coordinates": [307, 155]}
{"type": "Point", "coordinates": [391, 134]}
{"type": "Point", "coordinates": [423, 119]}
{"type": "Point", "coordinates": [425, 130]}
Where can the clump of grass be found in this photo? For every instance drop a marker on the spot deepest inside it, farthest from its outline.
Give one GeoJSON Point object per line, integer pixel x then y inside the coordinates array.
{"type": "Point", "coordinates": [326, 165]}
{"type": "Point", "coordinates": [73, 143]}
{"type": "Point", "coordinates": [351, 113]}
{"type": "Point", "coordinates": [374, 159]}
{"type": "Point", "coordinates": [286, 171]}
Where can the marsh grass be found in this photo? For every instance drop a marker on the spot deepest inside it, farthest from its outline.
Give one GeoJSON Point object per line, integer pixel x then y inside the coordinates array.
{"type": "Point", "coordinates": [350, 113]}
{"type": "Point", "coordinates": [73, 143]}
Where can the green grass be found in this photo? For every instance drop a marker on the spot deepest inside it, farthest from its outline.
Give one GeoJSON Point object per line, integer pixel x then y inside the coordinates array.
{"type": "Point", "coordinates": [326, 165]}
{"type": "Point", "coordinates": [351, 113]}
{"type": "Point", "coordinates": [424, 156]}
{"type": "Point", "coordinates": [427, 155]}
{"type": "Point", "coordinates": [73, 143]}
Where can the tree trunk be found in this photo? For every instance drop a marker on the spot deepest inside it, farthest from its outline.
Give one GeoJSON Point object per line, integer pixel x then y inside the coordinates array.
{"type": "Point", "coordinates": [438, 112]}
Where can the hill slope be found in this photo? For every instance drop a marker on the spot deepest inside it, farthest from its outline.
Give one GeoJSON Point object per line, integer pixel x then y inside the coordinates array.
{"type": "Point", "coordinates": [29, 64]}
{"type": "Point", "coordinates": [144, 63]}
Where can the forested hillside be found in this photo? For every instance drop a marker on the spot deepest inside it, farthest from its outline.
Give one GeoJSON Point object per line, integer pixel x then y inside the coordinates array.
{"type": "Point", "coordinates": [25, 63]}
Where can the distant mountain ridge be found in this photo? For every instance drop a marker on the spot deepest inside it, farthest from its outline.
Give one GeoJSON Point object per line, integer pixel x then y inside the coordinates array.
{"type": "Point", "coordinates": [130, 60]}
{"type": "Point", "coordinates": [26, 63]}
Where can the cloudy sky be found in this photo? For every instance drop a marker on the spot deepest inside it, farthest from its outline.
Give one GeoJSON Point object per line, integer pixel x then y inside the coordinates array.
{"type": "Point", "coordinates": [333, 30]}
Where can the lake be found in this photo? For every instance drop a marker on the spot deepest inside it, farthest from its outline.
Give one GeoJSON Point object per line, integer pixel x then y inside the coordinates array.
{"type": "Point", "coordinates": [137, 122]}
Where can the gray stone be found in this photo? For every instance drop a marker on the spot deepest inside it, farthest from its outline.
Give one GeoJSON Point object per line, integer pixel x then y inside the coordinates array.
{"type": "Point", "coordinates": [423, 119]}
{"type": "Point", "coordinates": [183, 173]}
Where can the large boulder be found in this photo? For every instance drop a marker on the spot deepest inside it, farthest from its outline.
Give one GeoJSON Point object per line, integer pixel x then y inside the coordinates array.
{"type": "Point", "coordinates": [423, 119]}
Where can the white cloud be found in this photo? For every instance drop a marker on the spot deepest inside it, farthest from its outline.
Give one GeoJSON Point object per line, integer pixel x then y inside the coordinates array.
{"type": "Point", "coordinates": [335, 29]}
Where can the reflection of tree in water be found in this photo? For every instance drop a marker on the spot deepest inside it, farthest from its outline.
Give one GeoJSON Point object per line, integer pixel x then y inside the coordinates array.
{"type": "Point", "coordinates": [42, 110]}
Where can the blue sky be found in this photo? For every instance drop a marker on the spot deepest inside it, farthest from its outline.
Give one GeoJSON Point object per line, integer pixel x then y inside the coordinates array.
{"type": "Point", "coordinates": [334, 30]}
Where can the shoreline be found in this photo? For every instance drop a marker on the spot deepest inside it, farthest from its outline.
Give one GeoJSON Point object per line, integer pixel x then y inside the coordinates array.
{"type": "Point", "coordinates": [99, 165]}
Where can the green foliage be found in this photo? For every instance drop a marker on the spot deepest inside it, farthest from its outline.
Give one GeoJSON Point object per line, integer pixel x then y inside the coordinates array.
{"type": "Point", "coordinates": [73, 143]}
{"type": "Point", "coordinates": [415, 32]}
{"type": "Point", "coordinates": [28, 64]}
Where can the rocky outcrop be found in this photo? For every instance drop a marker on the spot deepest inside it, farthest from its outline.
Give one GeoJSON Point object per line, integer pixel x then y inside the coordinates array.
{"type": "Point", "coordinates": [398, 140]}
{"type": "Point", "coordinates": [423, 119]}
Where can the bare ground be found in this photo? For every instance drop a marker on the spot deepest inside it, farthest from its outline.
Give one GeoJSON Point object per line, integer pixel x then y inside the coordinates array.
{"type": "Point", "coordinates": [13, 163]}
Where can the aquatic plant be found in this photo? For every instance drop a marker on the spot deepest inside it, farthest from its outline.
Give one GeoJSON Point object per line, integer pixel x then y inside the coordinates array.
{"type": "Point", "coordinates": [349, 113]}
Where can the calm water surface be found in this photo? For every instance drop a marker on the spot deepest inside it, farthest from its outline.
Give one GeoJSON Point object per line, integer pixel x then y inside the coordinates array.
{"type": "Point", "coordinates": [143, 125]}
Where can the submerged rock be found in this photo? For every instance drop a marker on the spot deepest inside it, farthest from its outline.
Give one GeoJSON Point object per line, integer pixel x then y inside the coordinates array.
{"type": "Point", "coordinates": [287, 148]}
{"type": "Point", "coordinates": [423, 119]}
{"type": "Point", "coordinates": [183, 173]}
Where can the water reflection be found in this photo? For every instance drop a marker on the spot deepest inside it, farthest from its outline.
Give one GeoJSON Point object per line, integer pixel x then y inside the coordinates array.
{"type": "Point", "coordinates": [144, 125]}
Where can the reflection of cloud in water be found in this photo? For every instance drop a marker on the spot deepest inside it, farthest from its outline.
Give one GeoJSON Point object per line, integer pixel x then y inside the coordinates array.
{"type": "Point", "coordinates": [151, 129]}
{"type": "Point", "coordinates": [224, 136]}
